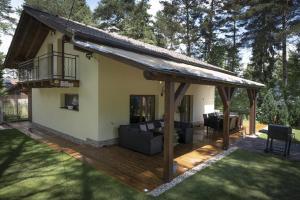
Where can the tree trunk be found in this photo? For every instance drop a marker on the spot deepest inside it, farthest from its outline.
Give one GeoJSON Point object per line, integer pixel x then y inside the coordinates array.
{"type": "Point", "coordinates": [210, 27]}
{"type": "Point", "coordinates": [284, 59]}
{"type": "Point", "coordinates": [187, 21]}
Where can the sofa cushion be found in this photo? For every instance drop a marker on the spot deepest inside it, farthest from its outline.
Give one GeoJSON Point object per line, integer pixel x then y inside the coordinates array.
{"type": "Point", "coordinates": [143, 127]}
{"type": "Point", "coordinates": [150, 126]}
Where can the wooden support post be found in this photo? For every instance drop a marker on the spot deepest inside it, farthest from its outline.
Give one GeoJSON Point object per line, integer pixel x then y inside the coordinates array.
{"type": "Point", "coordinates": [226, 95]}
{"type": "Point", "coordinates": [179, 94]}
{"type": "Point", "coordinates": [168, 130]}
{"type": "Point", "coordinates": [252, 94]}
{"type": "Point", "coordinates": [30, 104]}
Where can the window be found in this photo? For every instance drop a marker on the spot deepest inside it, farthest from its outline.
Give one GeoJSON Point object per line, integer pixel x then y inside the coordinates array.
{"type": "Point", "coordinates": [71, 101]}
{"type": "Point", "coordinates": [142, 108]}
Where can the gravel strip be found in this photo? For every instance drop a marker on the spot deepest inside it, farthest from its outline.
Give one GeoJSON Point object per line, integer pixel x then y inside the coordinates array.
{"type": "Point", "coordinates": [163, 188]}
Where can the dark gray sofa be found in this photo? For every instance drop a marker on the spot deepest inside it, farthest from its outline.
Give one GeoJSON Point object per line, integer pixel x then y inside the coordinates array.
{"type": "Point", "coordinates": [131, 137]}
{"type": "Point", "coordinates": [150, 141]}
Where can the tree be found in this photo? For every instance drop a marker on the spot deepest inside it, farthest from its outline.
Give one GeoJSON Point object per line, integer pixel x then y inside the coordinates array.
{"type": "Point", "coordinates": [290, 24]}
{"type": "Point", "coordinates": [138, 24]}
{"type": "Point", "coordinates": [267, 113]}
{"type": "Point", "coordinates": [6, 25]}
{"type": "Point", "coordinates": [81, 12]}
{"type": "Point", "coordinates": [211, 24]}
{"type": "Point", "coordinates": [260, 29]}
{"type": "Point", "coordinates": [230, 27]}
{"type": "Point", "coordinates": [111, 13]}
{"type": "Point", "coordinates": [219, 54]}
{"type": "Point", "coordinates": [6, 20]}
{"type": "Point", "coordinates": [293, 87]}
{"type": "Point", "coordinates": [186, 17]}
{"type": "Point", "coordinates": [167, 26]}
{"type": "Point", "coordinates": [127, 17]}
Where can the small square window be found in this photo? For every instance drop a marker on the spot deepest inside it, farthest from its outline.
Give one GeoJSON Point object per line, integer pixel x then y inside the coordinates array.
{"type": "Point", "coordinates": [71, 101]}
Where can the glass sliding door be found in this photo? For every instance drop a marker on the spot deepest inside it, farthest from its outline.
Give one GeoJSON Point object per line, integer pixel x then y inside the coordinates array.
{"type": "Point", "coordinates": [186, 108]}
{"type": "Point", "coordinates": [142, 108]}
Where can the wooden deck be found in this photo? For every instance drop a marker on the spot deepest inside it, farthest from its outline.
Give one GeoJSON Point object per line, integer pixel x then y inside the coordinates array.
{"type": "Point", "coordinates": [132, 168]}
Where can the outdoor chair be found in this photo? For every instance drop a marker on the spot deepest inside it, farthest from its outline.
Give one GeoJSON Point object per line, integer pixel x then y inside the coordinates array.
{"type": "Point", "coordinates": [279, 132]}
{"type": "Point", "coordinates": [216, 123]}
{"type": "Point", "coordinates": [206, 122]}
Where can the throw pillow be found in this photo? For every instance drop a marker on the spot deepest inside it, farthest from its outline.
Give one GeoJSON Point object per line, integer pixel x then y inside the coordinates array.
{"type": "Point", "coordinates": [150, 126]}
{"type": "Point", "coordinates": [143, 127]}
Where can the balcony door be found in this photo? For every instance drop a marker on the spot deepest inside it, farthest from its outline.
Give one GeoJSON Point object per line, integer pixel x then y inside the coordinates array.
{"type": "Point", "coordinates": [142, 108]}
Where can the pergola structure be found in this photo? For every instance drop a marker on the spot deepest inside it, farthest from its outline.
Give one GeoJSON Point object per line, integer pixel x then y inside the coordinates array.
{"type": "Point", "coordinates": [172, 99]}
{"type": "Point", "coordinates": [157, 64]}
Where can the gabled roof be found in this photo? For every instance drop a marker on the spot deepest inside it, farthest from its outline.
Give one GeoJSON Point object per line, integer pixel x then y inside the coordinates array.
{"type": "Point", "coordinates": [32, 17]}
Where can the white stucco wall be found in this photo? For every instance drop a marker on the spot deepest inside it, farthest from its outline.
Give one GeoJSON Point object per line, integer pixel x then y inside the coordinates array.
{"type": "Point", "coordinates": [104, 95]}
{"type": "Point", "coordinates": [117, 81]}
{"type": "Point", "coordinates": [46, 102]}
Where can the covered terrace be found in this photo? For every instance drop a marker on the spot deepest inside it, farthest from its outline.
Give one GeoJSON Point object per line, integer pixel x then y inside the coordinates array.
{"type": "Point", "coordinates": [171, 72]}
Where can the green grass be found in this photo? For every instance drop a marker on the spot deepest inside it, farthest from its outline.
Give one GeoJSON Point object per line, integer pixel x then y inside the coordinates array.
{"type": "Point", "coordinates": [30, 170]}
{"type": "Point", "coordinates": [295, 131]}
{"type": "Point", "coordinates": [243, 175]}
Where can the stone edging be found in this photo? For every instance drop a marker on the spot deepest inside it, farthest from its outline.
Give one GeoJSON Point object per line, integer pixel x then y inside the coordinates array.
{"type": "Point", "coordinates": [163, 188]}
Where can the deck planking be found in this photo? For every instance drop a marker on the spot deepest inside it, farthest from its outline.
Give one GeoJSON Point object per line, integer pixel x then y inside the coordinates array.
{"type": "Point", "coordinates": [132, 168]}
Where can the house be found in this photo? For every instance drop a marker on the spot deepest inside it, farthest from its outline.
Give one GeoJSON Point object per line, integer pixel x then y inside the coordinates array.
{"type": "Point", "coordinates": [84, 82]}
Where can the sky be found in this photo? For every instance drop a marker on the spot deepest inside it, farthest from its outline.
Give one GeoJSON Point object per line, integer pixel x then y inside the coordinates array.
{"type": "Point", "coordinates": [155, 6]}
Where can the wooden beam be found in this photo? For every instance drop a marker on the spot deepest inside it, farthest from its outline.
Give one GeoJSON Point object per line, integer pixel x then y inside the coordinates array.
{"type": "Point", "coordinates": [179, 94]}
{"type": "Point", "coordinates": [226, 94]}
{"type": "Point", "coordinates": [182, 78]}
{"type": "Point", "coordinates": [252, 95]}
{"type": "Point", "coordinates": [25, 39]}
{"type": "Point", "coordinates": [168, 130]}
{"type": "Point", "coordinates": [39, 29]}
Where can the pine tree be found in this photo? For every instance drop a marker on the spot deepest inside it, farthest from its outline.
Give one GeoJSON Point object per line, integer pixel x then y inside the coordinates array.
{"type": "Point", "coordinates": [267, 112]}
{"type": "Point", "coordinates": [110, 14]}
{"type": "Point", "coordinates": [127, 17]}
{"type": "Point", "coordinates": [289, 20]}
{"type": "Point", "coordinates": [210, 26]}
{"type": "Point", "coordinates": [186, 17]}
{"type": "Point", "coordinates": [138, 24]}
{"type": "Point", "coordinates": [293, 87]}
{"type": "Point", "coordinates": [6, 21]}
{"type": "Point", "coordinates": [6, 25]}
{"type": "Point", "coordinates": [231, 24]}
{"type": "Point", "coordinates": [81, 11]}
{"type": "Point", "coordinates": [260, 29]}
{"type": "Point", "coordinates": [167, 26]}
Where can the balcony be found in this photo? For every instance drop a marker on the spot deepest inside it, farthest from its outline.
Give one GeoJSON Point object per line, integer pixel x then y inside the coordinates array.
{"type": "Point", "coordinates": [54, 69]}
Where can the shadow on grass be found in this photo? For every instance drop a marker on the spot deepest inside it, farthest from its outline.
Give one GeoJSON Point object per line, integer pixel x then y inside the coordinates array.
{"type": "Point", "coordinates": [31, 170]}
{"type": "Point", "coordinates": [242, 175]}
{"type": "Point", "coordinates": [11, 157]}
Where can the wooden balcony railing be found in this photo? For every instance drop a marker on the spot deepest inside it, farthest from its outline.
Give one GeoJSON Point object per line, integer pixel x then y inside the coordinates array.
{"type": "Point", "coordinates": [55, 65]}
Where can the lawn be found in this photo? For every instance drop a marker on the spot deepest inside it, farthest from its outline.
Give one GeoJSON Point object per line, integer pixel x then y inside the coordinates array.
{"type": "Point", "coordinates": [30, 170]}
{"type": "Point", "coordinates": [295, 131]}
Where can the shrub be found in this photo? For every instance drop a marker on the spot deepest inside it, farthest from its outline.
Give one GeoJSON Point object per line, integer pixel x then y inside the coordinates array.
{"type": "Point", "coordinates": [282, 114]}
{"type": "Point", "coordinates": [267, 112]}
{"type": "Point", "coordinates": [294, 112]}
